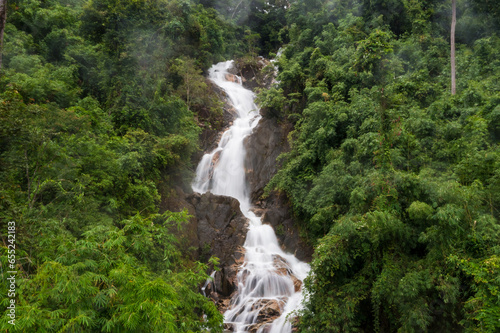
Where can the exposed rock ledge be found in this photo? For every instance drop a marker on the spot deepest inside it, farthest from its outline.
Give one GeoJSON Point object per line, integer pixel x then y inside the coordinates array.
{"type": "Point", "coordinates": [266, 143]}
{"type": "Point", "coordinates": [218, 228]}
{"type": "Point", "coordinates": [251, 73]}
{"type": "Point", "coordinates": [221, 229]}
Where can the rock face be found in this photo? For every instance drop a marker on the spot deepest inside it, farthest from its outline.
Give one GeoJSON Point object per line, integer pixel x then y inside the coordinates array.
{"type": "Point", "coordinates": [252, 74]}
{"type": "Point", "coordinates": [264, 146]}
{"type": "Point", "coordinates": [232, 78]}
{"type": "Point", "coordinates": [283, 269]}
{"type": "Point", "coordinates": [218, 228]}
{"type": "Point", "coordinates": [221, 230]}
{"type": "Point", "coordinates": [271, 309]}
{"type": "Point", "coordinates": [266, 143]}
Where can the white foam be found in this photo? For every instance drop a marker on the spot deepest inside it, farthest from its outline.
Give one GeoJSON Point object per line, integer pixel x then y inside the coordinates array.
{"type": "Point", "coordinates": [224, 174]}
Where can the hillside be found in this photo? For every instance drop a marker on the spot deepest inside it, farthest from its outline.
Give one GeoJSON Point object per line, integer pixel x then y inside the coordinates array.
{"type": "Point", "coordinates": [388, 173]}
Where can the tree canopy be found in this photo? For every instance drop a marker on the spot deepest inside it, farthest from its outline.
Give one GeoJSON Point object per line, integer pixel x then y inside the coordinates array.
{"type": "Point", "coordinates": [392, 179]}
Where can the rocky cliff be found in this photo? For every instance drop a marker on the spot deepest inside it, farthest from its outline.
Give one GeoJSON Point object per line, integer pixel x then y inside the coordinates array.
{"type": "Point", "coordinates": [264, 146]}
{"type": "Point", "coordinates": [266, 143]}
{"type": "Point", "coordinates": [217, 227]}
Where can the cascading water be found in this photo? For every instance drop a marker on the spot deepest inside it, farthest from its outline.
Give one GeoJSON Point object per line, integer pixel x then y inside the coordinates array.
{"type": "Point", "coordinates": [268, 274]}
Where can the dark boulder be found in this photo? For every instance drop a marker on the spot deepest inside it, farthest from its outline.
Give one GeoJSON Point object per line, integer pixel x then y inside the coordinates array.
{"type": "Point", "coordinates": [221, 231]}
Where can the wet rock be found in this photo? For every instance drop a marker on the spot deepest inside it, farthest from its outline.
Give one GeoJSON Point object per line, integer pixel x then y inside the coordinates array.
{"type": "Point", "coordinates": [254, 328]}
{"type": "Point", "coordinates": [223, 304]}
{"type": "Point", "coordinates": [221, 231]}
{"type": "Point", "coordinates": [258, 211]}
{"type": "Point", "coordinates": [297, 284]}
{"type": "Point", "coordinates": [283, 268]}
{"type": "Point", "coordinates": [263, 328]}
{"type": "Point", "coordinates": [214, 163]}
{"type": "Point", "coordinates": [252, 74]}
{"type": "Point", "coordinates": [229, 327]}
{"type": "Point", "coordinates": [214, 296]}
{"type": "Point", "coordinates": [266, 143]}
{"type": "Point", "coordinates": [232, 78]}
{"type": "Point", "coordinates": [270, 309]}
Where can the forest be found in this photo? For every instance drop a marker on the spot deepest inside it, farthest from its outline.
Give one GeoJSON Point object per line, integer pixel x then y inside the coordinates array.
{"type": "Point", "coordinates": [393, 178]}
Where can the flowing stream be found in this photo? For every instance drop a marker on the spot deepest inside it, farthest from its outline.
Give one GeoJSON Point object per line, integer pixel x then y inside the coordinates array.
{"type": "Point", "coordinates": [268, 276]}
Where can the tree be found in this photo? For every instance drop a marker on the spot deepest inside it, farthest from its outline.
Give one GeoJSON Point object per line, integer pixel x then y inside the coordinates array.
{"type": "Point", "coordinates": [452, 42]}
{"type": "Point", "coordinates": [392, 178]}
{"type": "Point", "coordinates": [193, 83]}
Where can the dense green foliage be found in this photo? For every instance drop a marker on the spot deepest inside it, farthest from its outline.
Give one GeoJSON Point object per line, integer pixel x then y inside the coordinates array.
{"type": "Point", "coordinates": [101, 105]}
{"type": "Point", "coordinates": [396, 181]}
{"type": "Point", "coordinates": [260, 22]}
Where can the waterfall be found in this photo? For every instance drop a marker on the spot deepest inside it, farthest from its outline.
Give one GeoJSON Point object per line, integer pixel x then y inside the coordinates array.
{"type": "Point", "coordinates": [268, 274]}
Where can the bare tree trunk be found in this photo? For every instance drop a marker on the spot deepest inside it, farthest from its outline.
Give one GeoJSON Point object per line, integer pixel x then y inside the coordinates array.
{"type": "Point", "coordinates": [452, 40]}
{"type": "Point", "coordinates": [3, 20]}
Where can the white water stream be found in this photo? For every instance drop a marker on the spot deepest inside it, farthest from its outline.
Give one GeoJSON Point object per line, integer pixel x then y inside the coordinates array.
{"type": "Point", "coordinates": [222, 172]}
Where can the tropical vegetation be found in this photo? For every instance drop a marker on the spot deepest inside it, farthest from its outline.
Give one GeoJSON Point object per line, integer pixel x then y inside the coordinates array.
{"type": "Point", "coordinates": [393, 179]}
